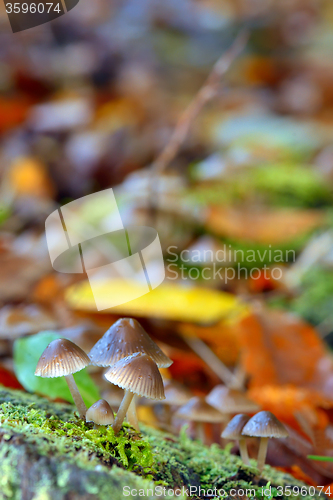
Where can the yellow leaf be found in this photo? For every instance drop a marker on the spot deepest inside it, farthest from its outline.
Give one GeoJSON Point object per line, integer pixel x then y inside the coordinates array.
{"type": "Point", "coordinates": [168, 301]}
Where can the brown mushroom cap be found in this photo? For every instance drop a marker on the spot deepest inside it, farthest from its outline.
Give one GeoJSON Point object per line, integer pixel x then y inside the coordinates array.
{"type": "Point", "coordinates": [230, 401]}
{"type": "Point", "coordinates": [138, 374]}
{"type": "Point", "coordinates": [175, 393]}
{"type": "Point", "coordinates": [100, 413]}
{"type": "Point", "coordinates": [234, 428]}
{"type": "Point", "coordinates": [198, 410]}
{"type": "Point", "coordinates": [265, 424]}
{"type": "Point", "coordinates": [124, 338]}
{"type": "Point", "coordinates": [61, 357]}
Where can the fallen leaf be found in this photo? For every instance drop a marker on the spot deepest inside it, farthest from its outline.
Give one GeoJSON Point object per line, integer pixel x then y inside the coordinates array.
{"type": "Point", "coordinates": [28, 177]}
{"type": "Point", "coordinates": [278, 348]}
{"type": "Point", "coordinates": [287, 400]}
{"type": "Point", "coordinates": [224, 338]}
{"type": "Point", "coordinates": [297, 472]}
{"type": "Point", "coordinates": [265, 226]}
{"type": "Point", "coordinates": [8, 379]}
{"type": "Point", "coordinates": [17, 321]}
{"type": "Point", "coordinates": [17, 275]}
{"type": "Point", "coordinates": [168, 301]}
{"type": "Point", "coordinates": [13, 111]}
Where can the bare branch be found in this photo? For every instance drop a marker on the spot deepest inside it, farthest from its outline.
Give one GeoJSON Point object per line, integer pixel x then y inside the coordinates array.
{"type": "Point", "coordinates": [207, 92]}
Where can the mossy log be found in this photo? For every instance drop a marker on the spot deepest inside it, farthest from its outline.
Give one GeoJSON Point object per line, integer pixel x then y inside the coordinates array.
{"type": "Point", "coordinates": [47, 453]}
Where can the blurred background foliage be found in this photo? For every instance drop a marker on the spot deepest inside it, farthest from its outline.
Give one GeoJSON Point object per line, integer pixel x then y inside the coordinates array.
{"type": "Point", "coordinates": [88, 102]}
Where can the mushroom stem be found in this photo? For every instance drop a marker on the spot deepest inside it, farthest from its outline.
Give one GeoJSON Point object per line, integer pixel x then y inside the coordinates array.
{"type": "Point", "coordinates": [262, 453]}
{"type": "Point", "coordinates": [132, 416]}
{"type": "Point", "coordinates": [167, 414]}
{"type": "Point", "coordinates": [243, 451]}
{"type": "Point", "coordinates": [81, 407]}
{"type": "Point", "coordinates": [201, 432]}
{"type": "Point", "coordinates": [122, 411]}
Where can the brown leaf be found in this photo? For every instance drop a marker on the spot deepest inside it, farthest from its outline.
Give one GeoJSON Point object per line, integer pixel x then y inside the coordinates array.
{"type": "Point", "coordinates": [278, 349]}
{"type": "Point", "coordinates": [265, 226]}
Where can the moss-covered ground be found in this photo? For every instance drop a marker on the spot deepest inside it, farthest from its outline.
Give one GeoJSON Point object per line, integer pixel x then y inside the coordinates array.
{"type": "Point", "coordinates": [47, 453]}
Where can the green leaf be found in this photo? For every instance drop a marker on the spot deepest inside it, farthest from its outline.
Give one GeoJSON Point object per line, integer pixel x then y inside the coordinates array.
{"type": "Point", "coordinates": [27, 352]}
{"type": "Point", "coordinates": [319, 458]}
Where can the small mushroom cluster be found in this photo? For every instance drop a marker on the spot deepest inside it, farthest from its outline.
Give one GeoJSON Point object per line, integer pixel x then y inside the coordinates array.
{"type": "Point", "coordinates": [263, 425]}
{"type": "Point", "coordinates": [132, 359]}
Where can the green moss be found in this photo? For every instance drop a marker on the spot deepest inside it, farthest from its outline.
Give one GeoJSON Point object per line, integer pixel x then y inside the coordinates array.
{"type": "Point", "coordinates": [46, 452]}
{"type": "Point", "coordinates": [314, 304]}
{"type": "Point", "coordinates": [274, 185]}
{"type": "Point", "coordinates": [70, 436]}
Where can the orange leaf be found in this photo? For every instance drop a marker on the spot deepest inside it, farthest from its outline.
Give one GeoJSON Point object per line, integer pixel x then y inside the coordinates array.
{"type": "Point", "coordinates": [223, 338]}
{"type": "Point", "coordinates": [29, 177]}
{"type": "Point", "coordinates": [287, 401]}
{"type": "Point", "coordinates": [297, 472]}
{"type": "Point", "coordinates": [279, 349]}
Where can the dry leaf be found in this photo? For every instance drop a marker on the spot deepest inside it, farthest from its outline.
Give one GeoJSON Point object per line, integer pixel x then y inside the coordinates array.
{"type": "Point", "coordinates": [278, 348]}
{"type": "Point", "coordinates": [264, 226]}
{"type": "Point", "coordinates": [17, 321]}
{"type": "Point", "coordinates": [287, 401]}
{"type": "Point", "coordinates": [224, 338]}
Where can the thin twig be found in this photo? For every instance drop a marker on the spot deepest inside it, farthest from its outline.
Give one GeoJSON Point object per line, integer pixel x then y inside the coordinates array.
{"type": "Point", "coordinates": [207, 92]}
{"type": "Point", "coordinates": [216, 365]}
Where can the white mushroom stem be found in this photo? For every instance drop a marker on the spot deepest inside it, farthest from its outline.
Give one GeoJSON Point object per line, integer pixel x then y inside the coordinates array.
{"type": "Point", "coordinates": [81, 407]}
{"type": "Point", "coordinates": [243, 451]}
{"type": "Point", "coordinates": [262, 453]}
{"type": "Point", "coordinates": [131, 415]}
{"type": "Point", "coordinates": [122, 411]}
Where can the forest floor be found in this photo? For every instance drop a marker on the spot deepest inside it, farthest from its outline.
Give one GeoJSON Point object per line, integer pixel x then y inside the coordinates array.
{"type": "Point", "coordinates": [47, 453]}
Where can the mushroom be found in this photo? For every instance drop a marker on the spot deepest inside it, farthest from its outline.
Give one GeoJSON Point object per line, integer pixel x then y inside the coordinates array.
{"type": "Point", "coordinates": [230, 401]}
{"type": "Point", "coordinates": [264, 425]}
{"type": "Point", "coordinates": [233, 431]}
{"type": "Point", "coordinates": [199, 411]}
{"type": "Point", "coordinates": [62, 358]}
{"type": "Point", "coordinates": [124, 338]}
{"type": "Point", "coordinates": [100, 413]}
{"type": "Point", "coordinates": [136, 374]}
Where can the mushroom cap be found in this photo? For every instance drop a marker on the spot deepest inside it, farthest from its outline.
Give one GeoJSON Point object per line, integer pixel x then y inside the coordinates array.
{"type": "Point", "coordinates": [230, 401]}
{"type": "Point", "coordinates": [175, 393]}
{"type": "Point", "coordinates": [234, 428]}
{"type": "Point", "coordinates": [124, 338]}
{"type": "Point", "coordinates": [198, 410]}
{"type": "Point", "coordinates": [265, 424]}
{"type": "Point", "coordinates": [138, 374]}
{"type": "Point", "coordinates": [60, 358]}
{"type": "Point", "coordinates": [100, 413]}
